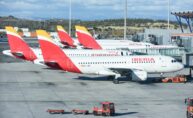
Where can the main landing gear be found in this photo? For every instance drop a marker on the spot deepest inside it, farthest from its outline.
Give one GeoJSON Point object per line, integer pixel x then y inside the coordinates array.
{"type": "Point", "coordinates": [115, 81]}
{"type": "Point", "coordinates": [115, 78]}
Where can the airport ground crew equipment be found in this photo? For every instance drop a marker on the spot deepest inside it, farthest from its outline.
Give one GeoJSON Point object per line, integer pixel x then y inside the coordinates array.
{"type": "Point", "coordinates": [177, 79]}
{"type": "Point", "coordinates": [78, 111]}
{"type": "Point", "coordinates": [56, 111]}
{"type": "Point", "coordinates": [107, 109]}
{"type": "Point", "coordinates": [189, 103]}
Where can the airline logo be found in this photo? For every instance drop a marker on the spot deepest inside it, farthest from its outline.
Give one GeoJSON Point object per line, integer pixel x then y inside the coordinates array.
{"type": "Point", "coordinates": [18, 45]}
{"type": "Point", "coordinates": [163, 47]}
{"type": "Point", "coordinates": [104, 54]}
{"type": "Point", "coordinates": [53, 53]}
{"type": "Point", "coordinates": [143, 60]}
{"type": "Point", "coordinates": [136, 44]}
{"type": "Point", "coordinates": [85, 38]}
{"type": "Point", "coordinates": [110, 53]}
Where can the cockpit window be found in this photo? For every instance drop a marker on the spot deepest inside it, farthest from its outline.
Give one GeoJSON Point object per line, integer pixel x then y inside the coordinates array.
{"type": "Point", "coordinates": [173, 61]}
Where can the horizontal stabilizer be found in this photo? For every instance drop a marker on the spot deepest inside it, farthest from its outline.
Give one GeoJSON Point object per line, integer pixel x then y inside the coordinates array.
{"type": "Point", "coordinates": [18, 54]}
{"type": "Point", "coordinates": [53, 64]}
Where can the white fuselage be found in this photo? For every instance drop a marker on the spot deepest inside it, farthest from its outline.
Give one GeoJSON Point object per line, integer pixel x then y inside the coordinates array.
{"type": "Point", "coordinates": [87, 52]}
{"type": "Point", "coordinates": [150, 64]}
{"type": "Point", "coordinates": [77, 52]}
{"type": "Point", "coordinates": [128, 44]}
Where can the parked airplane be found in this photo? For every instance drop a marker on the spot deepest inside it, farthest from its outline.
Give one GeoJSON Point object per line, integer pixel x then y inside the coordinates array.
{"type": "Point", "coordinates": [114, 67]}
{"type": "Point", "coordinates": [68, 41]}
{"type": "Point", "coordinates": [20, 49]}
{"type": "Point", "coordinates": [86, 39]}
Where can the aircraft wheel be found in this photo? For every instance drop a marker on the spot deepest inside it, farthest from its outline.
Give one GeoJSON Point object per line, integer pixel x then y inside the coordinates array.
{"type": "Point", "coordinates": [116, 81]}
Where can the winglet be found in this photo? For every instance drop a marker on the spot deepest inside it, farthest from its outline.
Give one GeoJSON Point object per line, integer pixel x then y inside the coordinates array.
{"type": "Point", "coordinates": [18, 45]}
{"type": "Point", "coordinates": [85, 38]}
{"type": "Point", "coordinates": [64, 37]}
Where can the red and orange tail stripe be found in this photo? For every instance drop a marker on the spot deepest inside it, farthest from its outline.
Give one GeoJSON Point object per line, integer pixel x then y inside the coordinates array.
{"type": "Point", "coordinates": [82, 29]}
{"type": "Point", "coordinates": [86, 39]}
{"type": "Point", "coordinates": [60, 28]}
{"type": "Point", "coordinates": [43, 35]}
{"type": "Point", "coordinates": [53, 53]}
{"type": "Point", "coordinates": [11, 31]}
{"type": "Point", "coordinates": [17, 44]}
{"type": "Point", "coordinates": [64, 36]}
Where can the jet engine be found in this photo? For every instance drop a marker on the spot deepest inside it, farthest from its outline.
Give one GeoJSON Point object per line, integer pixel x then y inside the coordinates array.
{"type": "Point", "coordinates": [139, 75]}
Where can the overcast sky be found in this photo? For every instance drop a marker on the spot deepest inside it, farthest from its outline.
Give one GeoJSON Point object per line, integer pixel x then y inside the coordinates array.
{"type": "Point", "coordinates": [92, 9]}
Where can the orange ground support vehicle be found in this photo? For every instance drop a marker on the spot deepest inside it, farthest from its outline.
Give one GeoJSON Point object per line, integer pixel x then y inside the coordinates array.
{"type": "Point", "coordinates": [189, 103]}
{"type": "Point", "coordinates": [177, 79]}
{"type": "Point", "coordinates": [56, 111]}
{"type": "Point", "coordinates": [107, 109]}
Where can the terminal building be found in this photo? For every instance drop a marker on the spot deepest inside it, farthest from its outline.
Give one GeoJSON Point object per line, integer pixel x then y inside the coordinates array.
{"type": "Point", "coordinates": [182, 37]}
{"type": "Point", "coordinates": [161, 37]}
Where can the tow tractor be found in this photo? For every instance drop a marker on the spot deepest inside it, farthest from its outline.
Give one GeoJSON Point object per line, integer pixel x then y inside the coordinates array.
{"type": "Point", "coordinates": [107, 109]}
{"type": "Point", "coordinates": [177, 79]}
{"type": "Point", "coordinates": [189, 103]}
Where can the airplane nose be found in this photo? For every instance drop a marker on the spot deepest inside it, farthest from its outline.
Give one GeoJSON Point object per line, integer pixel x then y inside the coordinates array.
{"type": "Point", "coordinates": [180, 66]}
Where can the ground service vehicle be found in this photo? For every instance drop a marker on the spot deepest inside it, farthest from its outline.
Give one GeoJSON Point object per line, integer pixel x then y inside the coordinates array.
{"type": "Point", "coordinates": [189, 103]}
{"type": "Point", "coordinates": [107, 109]}
{"type": "Point", "coordinates": [78, 111]}
{"type": "Point", "coordinates": [56, 111]}
{"type": "Point", "coordinates": [177, 79]}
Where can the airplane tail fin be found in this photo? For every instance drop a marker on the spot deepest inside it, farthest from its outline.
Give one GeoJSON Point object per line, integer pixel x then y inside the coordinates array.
{"type": "Point", "coordinates": [18, 46]}
{"type": "Point", "coordinates": [64, 36]}
{"type": "Point", "coordinates": [85, 38]}
{"type": "Point", "coordinates": [53, 55]}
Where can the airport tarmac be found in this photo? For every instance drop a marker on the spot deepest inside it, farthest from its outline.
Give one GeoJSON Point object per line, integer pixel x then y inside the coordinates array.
{"type": "Point", "coordinates": [28, 90]}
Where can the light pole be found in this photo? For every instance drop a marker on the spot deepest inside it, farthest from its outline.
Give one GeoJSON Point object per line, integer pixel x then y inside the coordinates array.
{"type": "Point", "coordinates": [70, 17]}
{"type": "Point", "coordinates": [168, 15]}
{"type": "Point", "coordinates": [169, 21]}
{"type": "Point", "coordinates": [125, 21]}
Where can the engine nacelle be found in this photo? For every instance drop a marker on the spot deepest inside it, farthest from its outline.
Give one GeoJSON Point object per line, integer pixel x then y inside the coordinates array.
{"type": "Point", "coordinates": [139, 75]}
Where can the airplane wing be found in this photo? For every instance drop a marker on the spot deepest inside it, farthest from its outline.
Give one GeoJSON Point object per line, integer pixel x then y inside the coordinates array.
{"type": "Point", "coordinates": [52, 64]}
{"type": "Point", "coordinates": [19, 54]}
{"type": "Point", "coordinates": [135, 74]}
